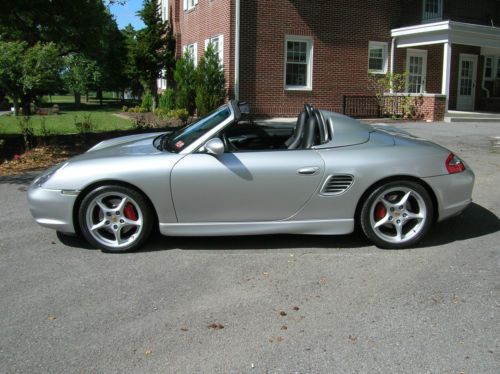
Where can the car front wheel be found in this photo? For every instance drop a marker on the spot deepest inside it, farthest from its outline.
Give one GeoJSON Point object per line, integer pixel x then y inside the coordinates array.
{"type": "Point", "coordinates": [115, 218]}
{"type": "Point", "coordinates": [397, 214]}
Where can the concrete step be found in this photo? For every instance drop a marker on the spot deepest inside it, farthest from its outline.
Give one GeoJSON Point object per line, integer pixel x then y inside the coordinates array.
{"type": "Point", "coordinates": [471, 119]}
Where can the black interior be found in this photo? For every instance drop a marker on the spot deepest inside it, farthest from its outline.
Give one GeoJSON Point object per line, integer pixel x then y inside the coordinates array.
{"type": "Point", "coordinates": [310, 130]}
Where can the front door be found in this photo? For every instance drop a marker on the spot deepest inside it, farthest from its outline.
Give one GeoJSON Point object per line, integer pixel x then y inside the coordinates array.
{"type": "Point", "coordinates": [466, 82]}
{"type": "Point", "coordinates": [416, 66]}
{"type": "Point", "coordinates": [244, 186]}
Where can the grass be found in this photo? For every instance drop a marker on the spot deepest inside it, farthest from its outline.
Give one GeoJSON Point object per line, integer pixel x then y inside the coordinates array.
{"type": "Point", "coordinates": [102, 117]}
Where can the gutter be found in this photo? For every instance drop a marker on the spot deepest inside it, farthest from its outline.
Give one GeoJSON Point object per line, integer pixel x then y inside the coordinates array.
{"type": "Point", "coordinates": [237, 52]}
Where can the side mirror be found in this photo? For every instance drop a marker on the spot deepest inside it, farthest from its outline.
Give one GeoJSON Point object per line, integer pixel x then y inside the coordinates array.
{"type": "Point", "coordinates": [214, 146]}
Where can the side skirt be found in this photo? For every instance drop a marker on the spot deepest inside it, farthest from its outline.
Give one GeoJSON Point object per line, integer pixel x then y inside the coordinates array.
{"type": "Point", "coordinates": [316, 227]}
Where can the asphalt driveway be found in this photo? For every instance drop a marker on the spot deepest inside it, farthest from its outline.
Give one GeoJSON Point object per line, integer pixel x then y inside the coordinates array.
{"type": "Point", "coordinates": [272, 304]}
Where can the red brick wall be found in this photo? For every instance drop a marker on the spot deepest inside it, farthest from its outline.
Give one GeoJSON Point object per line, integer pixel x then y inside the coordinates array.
{"type": "Point", "coordinates": [341, 31]}
{"type": "Point", "coordinates": [208, 19]}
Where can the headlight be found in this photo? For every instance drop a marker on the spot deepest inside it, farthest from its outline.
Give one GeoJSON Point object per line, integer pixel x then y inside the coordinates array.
{"type": "Point", "coordinates": [48, 174]}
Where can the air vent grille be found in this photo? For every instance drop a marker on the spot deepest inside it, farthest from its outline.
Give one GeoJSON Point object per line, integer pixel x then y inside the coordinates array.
{"type": "Point", "coordinates": [337, 184]}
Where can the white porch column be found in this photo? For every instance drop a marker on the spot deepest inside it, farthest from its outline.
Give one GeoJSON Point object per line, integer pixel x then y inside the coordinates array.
{"type": "Point", "coordinates": [445, 86]}
{"type": "Point", "coordinates": [391, 68]}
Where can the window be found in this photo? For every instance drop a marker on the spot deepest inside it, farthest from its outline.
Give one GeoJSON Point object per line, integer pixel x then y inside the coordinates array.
{"type": "Point", "coordinates": [218, 43]}
{"type": "Point", "coordinates": [416, 66]}
{"type": "Point", "coordinates": [488, 68]}
{"type": "Point", "coordinates": [433, 10]}
{"type": "Point", "coordinates": [192, 50]}
{"type": "Point", "coordinates": [164, 10]}
{"type": "Point", "coordinates": [498, 68]}
{"type": "Point", "coordinates": [298, 63]}
{"type": "Point", "coordinates": [190, 4]}
{"type": "Point", "coordinates": [377, 57]}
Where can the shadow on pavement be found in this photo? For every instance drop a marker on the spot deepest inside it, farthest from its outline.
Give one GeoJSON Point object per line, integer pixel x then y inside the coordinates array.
{"type": "Point", "coordinates": [474, 222]}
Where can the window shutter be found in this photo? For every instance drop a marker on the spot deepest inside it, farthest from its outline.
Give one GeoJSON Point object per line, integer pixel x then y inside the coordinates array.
{"type": "Point", "coordinates": [185, 4]}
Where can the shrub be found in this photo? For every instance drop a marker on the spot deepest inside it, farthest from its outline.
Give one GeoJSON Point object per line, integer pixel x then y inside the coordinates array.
{"type": "Point", "coordinates": [124, 108]}
{"type": "Point", "coordinates": [27, 131]}
{"type": "Point", "coordinates": [167, 100]}
{"type": "Point", "coordinates": [181, 114]}
{"type": "Point", "coordinates": [210, 82]}
{"type": "Point", "coordinates": [85, 126]}
{"type": "Point", "coordinates": [185, 78]}
{"type": "Point", "coordinates": [147, 102]}
{"type": "Point", "coordinates": [161, 113]}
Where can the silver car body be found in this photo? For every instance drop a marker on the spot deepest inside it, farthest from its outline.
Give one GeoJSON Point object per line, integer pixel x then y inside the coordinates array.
{"type": "Point", "coordinates": [261, 192]}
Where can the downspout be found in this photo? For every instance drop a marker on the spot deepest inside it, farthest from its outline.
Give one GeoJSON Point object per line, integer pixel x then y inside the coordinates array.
{"type": "Point", "coordinates": [391, 68]}
{"type": "Point", "coordinates": [237, 52]}
{"type": "Point", "coordinates": [483, 81]}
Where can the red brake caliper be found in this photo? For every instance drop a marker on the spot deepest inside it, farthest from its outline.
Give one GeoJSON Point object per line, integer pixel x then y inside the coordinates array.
{"type": "Point", "coordinates": [129, 212]}
{"type": "Point", "coordinates": [380, 211]}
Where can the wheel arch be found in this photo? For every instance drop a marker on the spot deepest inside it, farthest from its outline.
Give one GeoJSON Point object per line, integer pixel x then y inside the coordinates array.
{"type": "Point", "coordinates": [109, 182]}
{"type": "Point", "coordinates": [394, 178]}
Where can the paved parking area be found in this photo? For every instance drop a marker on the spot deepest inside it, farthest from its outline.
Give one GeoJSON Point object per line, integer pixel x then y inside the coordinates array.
{"type": "Point", "coordinates": [272, 304]}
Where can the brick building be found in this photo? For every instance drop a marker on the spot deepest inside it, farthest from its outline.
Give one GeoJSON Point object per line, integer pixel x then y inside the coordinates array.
{"type": "Point", "coordinates": [279, 54]}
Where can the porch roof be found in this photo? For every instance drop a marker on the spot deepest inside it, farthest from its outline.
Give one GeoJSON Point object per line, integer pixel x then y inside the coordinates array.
{"type": "Point", "coordinates": [447, 32]}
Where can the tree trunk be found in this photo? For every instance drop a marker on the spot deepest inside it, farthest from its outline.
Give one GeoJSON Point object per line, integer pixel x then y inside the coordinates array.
{"type": "Point", "coordinates": [87, 97]}
{"type": "Point", "coordinates": [154, 92]}
{"type": "Point", "coordinates": [26, 105]}
{"type": "Point", "coordinates": [16, 106]}
{"type": "Point", "coordinates": [99, 95]}
{"type": "Point", "coordinates": [78, 99]}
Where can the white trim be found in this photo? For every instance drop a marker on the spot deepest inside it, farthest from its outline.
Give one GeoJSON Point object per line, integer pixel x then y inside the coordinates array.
{"type": "Point", "coordinates": [309, 59]}
{"type": "Point", "coordinates": [445, 82]}
{"type": "Point", "coordinates": [385, 57]}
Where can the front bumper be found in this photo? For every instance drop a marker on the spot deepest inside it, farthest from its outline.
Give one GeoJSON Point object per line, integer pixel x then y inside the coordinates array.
{"type": "Point", "coordinates": [453, 192]}
{"type": "Point", "coordinates": [52, 208]}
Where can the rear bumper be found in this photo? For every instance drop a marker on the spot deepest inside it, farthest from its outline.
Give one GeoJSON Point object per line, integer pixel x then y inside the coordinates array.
{"type": "Point", "coordinates": [453, 192]}
{"type": "Point", "coordinates": [52, 208]}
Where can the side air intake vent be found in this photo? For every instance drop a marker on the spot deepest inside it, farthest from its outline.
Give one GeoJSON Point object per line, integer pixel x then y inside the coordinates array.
{"type": "Point", "coordinates": [337, 184]}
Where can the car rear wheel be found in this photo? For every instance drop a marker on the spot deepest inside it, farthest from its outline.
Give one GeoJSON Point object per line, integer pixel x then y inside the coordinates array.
{"type": "Point", "coordinates": [115, 218]}
{"type": "Point", "coordinates": [397, 214]}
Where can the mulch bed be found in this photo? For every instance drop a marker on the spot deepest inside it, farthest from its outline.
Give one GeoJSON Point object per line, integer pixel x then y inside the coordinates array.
{"type": "Point", "coordinates": [36, 159]}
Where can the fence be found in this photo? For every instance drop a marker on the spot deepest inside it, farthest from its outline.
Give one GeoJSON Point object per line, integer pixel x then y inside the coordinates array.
{"type": "Point", "coordinates": [374, 107]}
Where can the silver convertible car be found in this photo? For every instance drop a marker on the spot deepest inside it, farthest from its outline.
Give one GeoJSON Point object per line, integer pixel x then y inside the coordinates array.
{"type": "Point", "coordinates": [226, 175]}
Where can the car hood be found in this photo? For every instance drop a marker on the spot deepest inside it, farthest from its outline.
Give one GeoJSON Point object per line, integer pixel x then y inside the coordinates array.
{"type": "Point", "coordinates": [131, 145]}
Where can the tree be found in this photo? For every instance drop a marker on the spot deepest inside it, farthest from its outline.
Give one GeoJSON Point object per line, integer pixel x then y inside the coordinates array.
{"type": "Point", "coordinates": [185, 79]}
{"type": "Point", "coordinates": [27, 72]}
{"type": "Point", "coordinates": [132, 80]}
{"type": "Point", "coordinates": [11, 70]}
{"type": "Point", "coordinates": [210, 82]}
{"type": "Point", "coordinates": [80, 74]}
{"type": "Point", "coordinates": [155, 47]}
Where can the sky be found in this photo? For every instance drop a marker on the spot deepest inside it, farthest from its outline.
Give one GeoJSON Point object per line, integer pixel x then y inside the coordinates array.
{"type": "Point", "coordinates": [125, 14]}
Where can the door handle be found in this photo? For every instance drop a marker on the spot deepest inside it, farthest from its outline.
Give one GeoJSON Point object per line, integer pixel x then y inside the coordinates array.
{"type": "Point", "coordinates": [312, 170]}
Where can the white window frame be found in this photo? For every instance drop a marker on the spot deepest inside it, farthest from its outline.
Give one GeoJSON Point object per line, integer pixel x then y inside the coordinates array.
{"type": "Point", "coordinates": [493, 70]}
{"type": "Point", "coordinates": [220, 39]}
{"type": "Point", "coordinates": [419, 53]}
{"type": "Point", "coordinates": [309, 58]}
{"type": "Point", "coordinates": [437, 17]}
{"type": "Point", "coordinates": [193, 50]}
{"type": "Point", "coordinates": [164, 10]}
{"type": "Point", "coordinates": [190, 4]}
{"type": "Point", "coordinates": [385, 56]}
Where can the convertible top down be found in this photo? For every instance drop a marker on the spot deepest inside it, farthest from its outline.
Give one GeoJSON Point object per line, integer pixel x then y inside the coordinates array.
{"type": "Point", "coordinates": [226, 175]}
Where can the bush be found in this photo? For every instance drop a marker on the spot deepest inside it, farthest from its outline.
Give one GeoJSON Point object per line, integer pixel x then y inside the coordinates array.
{"type": "Point", "coordinates": [161, 113]}
{"type": "Point", "coordinates": [85, 126]}
{"type": "Point", "coordinates": [124, 108]}
{"type": "Point", "coordinates": [147, 101]}
{"type": "Point", "coordinates": [167, 100]}
{"type": "Point", "coordinates": [181, 114]}
{"type": "Point", "coordinates": [185, 78]}
{"type": "Point", "coordinates": [210, 82]}
{"type": "Point", "coordinates": [28, 133]}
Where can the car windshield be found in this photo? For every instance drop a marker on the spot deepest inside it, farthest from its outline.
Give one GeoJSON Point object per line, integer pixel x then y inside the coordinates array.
{"type": "Point", "coordinates": [179, 140]}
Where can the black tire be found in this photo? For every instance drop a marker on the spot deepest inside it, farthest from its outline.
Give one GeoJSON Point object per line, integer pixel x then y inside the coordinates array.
{"type": "Point", "coordinates": [386, 235]}
{"type": "Point", "coordinates": [116, 224]}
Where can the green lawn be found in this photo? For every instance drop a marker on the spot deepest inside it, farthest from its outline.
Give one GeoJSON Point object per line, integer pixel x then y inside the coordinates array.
{"type": "Point", "coordinates": [102, 117]}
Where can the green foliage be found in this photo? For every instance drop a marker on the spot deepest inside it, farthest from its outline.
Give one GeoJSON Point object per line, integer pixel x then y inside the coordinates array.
{"type": "Point", "coordinates": [131, 70]}
{"type": "Point", "coordinates": [167, 100]}
{"type": "Point", "coordinates": [124, 108]}
{"type": "Point", "coordinates": [85, 125]}
{"type": "Point", "coordinates": [155, 47]}
{"type": "Point", "coordinates": [147, 101]}
{"type": "Point", "coordinates": [80, 73]}
{"type": "Point", "coordinates": [185, 78]}
{"type": "Point", "coordinates": [181, 114]}
{"type": "Point", "coordinates": [210, 82]}
{"type": "Point", "coordinates": [26, 128]}
{"type": "Point", "coordinates": [11, 68]}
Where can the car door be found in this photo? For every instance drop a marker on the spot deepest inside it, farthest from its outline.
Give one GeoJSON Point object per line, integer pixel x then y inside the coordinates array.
{"type": "Point", "coordinates": [244, 186]}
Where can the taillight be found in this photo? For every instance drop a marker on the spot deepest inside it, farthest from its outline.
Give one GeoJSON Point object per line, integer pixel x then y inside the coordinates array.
{"type": "Point", "coordinates": [454, 164]}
